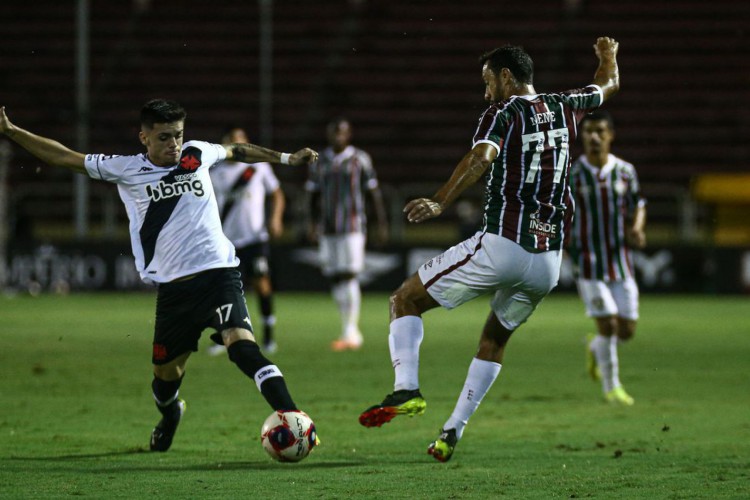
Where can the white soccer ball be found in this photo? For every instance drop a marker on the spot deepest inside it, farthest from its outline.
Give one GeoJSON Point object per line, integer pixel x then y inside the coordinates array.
{"type": "Point", "coordinates": [288, 436]}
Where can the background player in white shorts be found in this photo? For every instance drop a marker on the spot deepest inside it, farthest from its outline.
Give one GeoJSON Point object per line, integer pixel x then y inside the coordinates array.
{"type": "Point", "coordinates": [241, 191]}
{"type": "Point", "coordinates": [336, 185]}
{"type": "Point", "coordinates": [178, 245]}
{"type": "Point", "coordinates": [610, 219]}
{"type": "Point", "coordinates": [523, 140]}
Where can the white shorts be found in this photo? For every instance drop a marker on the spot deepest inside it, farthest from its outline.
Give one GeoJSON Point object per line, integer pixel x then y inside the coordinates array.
{"type": "Point", "coordinates": [613, 298]}
{"type": "Point", "coordinates": [488, 263]}
{"type": "Point", "coordinates": [342, 253]}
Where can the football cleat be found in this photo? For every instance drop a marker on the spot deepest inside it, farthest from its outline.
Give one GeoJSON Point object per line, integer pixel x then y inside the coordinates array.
{"type": "Point", "coordinates": [404, 402]}
{"type": "Point", "coordinates": [591, 367]}
{"type": "Point", "coordinates": [442, 448]}
{"type": "Point", "coordinates": [619, 396]}
{"type": "Point", "coordinates": [163, 433]}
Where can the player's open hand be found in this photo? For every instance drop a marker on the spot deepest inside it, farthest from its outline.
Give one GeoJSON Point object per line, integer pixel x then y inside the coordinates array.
{"type": "Point", "coordinates": [606, 48]}
{"type": "Point", "coordinates": [422, 209]}
{"type": "Point", "coordinates": [303, 157]}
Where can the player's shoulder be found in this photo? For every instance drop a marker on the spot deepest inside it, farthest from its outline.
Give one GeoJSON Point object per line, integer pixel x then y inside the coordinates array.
{"type": "Point", "coordinates": [622, 164]}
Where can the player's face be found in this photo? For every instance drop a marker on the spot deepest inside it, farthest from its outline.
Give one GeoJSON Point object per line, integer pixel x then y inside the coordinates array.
{"type": "Point", "coordinates": [163, 142]}
{"type": "Point", "coordinates": [339, 137]}
{"type": "Point", "coordinates": [237, 136]}
{"type": "Point", "coordinates": [492, 86]}
{"type": "Point", "coordinates": [596, 136]}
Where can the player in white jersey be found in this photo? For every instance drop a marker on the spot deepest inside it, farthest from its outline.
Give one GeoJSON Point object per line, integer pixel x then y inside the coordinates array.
{"type": "Point", "coordinates": [610, 219]}
{"type": "Point", "coordinates": [522, 139]}
{"type": "Point", "coordinates": [241, 190]}
{"type": "Point", "coordinates": [178, 245]}
{"type": "Point", "coordinates": [336, 185]}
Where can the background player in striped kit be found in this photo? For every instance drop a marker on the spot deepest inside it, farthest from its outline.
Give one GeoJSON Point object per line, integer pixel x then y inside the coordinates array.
{"type": "Point", "coordinates": [610, 219]}
{"type": "Point", "coordinates": [241, 190]}
{"type": "Point", "coordinates": [523, 140]}
{"type": "Point", "coordinates": [336, 185]}
{"type": "Point", "coordinates": [178, 246]}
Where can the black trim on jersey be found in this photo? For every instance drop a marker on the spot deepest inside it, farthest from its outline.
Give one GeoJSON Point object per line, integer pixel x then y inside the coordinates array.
{"type": "Point", "coordinates": [159, 212]}
{"type": "Point", "coordinates": [242, 181]}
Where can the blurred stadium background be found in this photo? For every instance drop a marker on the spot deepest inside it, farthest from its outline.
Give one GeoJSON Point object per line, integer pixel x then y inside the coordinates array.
{"type": "Point", "coordinates": [406, 74]}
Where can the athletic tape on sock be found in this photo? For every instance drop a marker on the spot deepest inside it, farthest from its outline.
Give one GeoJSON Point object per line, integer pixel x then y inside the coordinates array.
{"type": "Point", "coordinates": [265, 373]}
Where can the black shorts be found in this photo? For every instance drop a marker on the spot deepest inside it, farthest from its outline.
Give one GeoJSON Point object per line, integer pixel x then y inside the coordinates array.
{"type": "Point", "coordinates": [254, 259]}
{"type": "Point", "coordinates": [212, 299]}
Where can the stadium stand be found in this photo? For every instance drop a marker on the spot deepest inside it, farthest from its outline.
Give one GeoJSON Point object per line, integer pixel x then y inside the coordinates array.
{"type": "Point", "coordinates": [404, 72]}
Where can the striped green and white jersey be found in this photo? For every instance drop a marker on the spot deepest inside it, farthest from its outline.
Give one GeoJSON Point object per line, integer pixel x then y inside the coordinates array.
{"type": "Point", "coordinates": [605, 198]}
{"type": "Point", "coordinates": [341, 179]}
{"type": "Point", "coordinates": [527, 194]}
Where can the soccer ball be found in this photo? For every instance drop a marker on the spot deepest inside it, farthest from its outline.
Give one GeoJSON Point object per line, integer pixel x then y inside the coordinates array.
{"type": "Point", "coordinates": [288, 436]}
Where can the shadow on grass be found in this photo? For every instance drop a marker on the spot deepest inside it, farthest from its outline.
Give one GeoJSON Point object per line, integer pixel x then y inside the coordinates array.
{"type": "Point", "coordinates": [174, 467]}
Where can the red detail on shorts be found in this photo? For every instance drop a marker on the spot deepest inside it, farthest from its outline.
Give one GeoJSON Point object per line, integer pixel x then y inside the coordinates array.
{"type": "Point", "coordinates": [190, 162]}
{"type": "Point", "coordinates": [160, 352]}
{"type": "Point", "coordinates": [456, 265]}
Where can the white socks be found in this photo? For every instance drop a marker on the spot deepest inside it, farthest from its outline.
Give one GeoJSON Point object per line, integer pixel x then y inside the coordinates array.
{"type": "Point", "coordinates": [405, 337]}
{"type": "Point", "coordinates": [605, 352]}
{"type": "Point", "coordinates": [348, 297]}
{"type": "Point", "coordinates": [478, 381]}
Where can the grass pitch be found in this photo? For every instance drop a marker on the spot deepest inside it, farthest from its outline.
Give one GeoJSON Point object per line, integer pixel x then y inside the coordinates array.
{"type": "Point", "coordinates": [76, 410]}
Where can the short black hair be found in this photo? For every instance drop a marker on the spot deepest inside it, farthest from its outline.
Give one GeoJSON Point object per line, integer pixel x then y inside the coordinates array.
{"type": "Point", "coordinates": [336, 122]}
{"type": "Point", "coordinates": [599, 115]}
{"type": "Point", "coordinates": [161, 111]}
{"type": "Point", "coordinates": [512, 57]}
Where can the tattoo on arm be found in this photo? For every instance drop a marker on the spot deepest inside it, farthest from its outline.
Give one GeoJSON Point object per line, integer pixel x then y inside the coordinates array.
{"type": "Point", "coordinates": [250, 153]}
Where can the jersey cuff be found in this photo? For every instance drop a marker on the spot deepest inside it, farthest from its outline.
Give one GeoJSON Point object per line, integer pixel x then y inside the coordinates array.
{"type": "Point", "coordinates": [486, 141]}
{"type": "Point", "coordinates": [598, 91]}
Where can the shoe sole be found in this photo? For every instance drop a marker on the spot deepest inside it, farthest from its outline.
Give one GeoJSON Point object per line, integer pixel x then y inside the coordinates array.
{"type": "Point", "coordinates": [379, 415]}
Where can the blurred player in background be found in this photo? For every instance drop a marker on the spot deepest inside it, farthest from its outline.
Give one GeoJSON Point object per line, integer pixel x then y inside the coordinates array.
{"type": "Point", "coordinates": [241, 190]}
{"type": "Point", "coordinates": [610, 219]}
{"type": "Point", "coordinates": [178, 245]}
{"type": "Point", "coordinates": [336, 185]}
{"type": "Point", "coordinates": [523, 140]}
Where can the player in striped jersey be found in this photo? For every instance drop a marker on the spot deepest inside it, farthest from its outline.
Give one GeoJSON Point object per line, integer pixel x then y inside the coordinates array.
{"type": "Point", "coordinates": [178, 245]}
{"type": "Point", "coordinates": [336, 185]}
{"type": "Point", "coordinates": [241, 191]}
{"type": "Point", "coordinates": [610, 220]}
{"type": "Point", "coordinates": [522, 143]}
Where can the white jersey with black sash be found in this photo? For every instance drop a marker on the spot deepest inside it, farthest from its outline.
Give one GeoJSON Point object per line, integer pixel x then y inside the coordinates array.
{"type": "Point", "coordinates": [175, 230]}
{"type": "Point", "coordinates": [528, 197]}
{"type": "Point", "coordinates": [241, 190]}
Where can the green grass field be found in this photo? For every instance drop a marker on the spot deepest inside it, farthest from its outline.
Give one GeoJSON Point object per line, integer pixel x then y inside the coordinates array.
{"type": "Point", "coordinates": [76, 409]}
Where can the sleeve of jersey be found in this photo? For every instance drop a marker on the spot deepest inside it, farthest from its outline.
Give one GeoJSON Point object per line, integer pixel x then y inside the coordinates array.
{"type": "Point", "coordinates": [489, 130]}
{"type": "Point", "coordinates": [270, 181]}
{"type": "Point", "coordinates": [636, 198]}
{"type": "Point", "coordinates": [312, 184]}
{"type": "Point", "coordinates": [585, 99]}
{"type": "Point", "coordinates": [104, 167]}
{"type": "Point", "coordinates": [370, 178]}
{"type": "Point", "coordinates": [211, 154]}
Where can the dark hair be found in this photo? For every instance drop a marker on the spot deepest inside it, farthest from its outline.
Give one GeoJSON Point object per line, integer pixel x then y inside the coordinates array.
{"type": "Point", "coordinates": [599, 115]}
{"type": "Point", "coordinates": [512, 57]}
{"type": "Point", "coordinates": [336, 122]}
{"type": "Point", "coordinates": [161, 111]}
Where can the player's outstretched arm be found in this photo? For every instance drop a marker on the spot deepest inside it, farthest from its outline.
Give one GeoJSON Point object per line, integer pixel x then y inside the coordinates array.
{"type": "Point", "coordinates": [49, 151]}
{"type": "Point", "coordinates": [607, 75]}
{"type": "Point", "coordinates": [468, 171]}
{"type": "Point", "coordinates": [252, 153]}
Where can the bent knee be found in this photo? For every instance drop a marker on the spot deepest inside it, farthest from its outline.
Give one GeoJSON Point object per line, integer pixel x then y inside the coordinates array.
{"type": "Point", "coordinates": [232, 335]}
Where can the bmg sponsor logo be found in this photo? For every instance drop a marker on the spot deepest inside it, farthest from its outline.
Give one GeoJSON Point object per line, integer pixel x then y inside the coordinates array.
{"type": "Point", "coordinates": [164, 190]}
